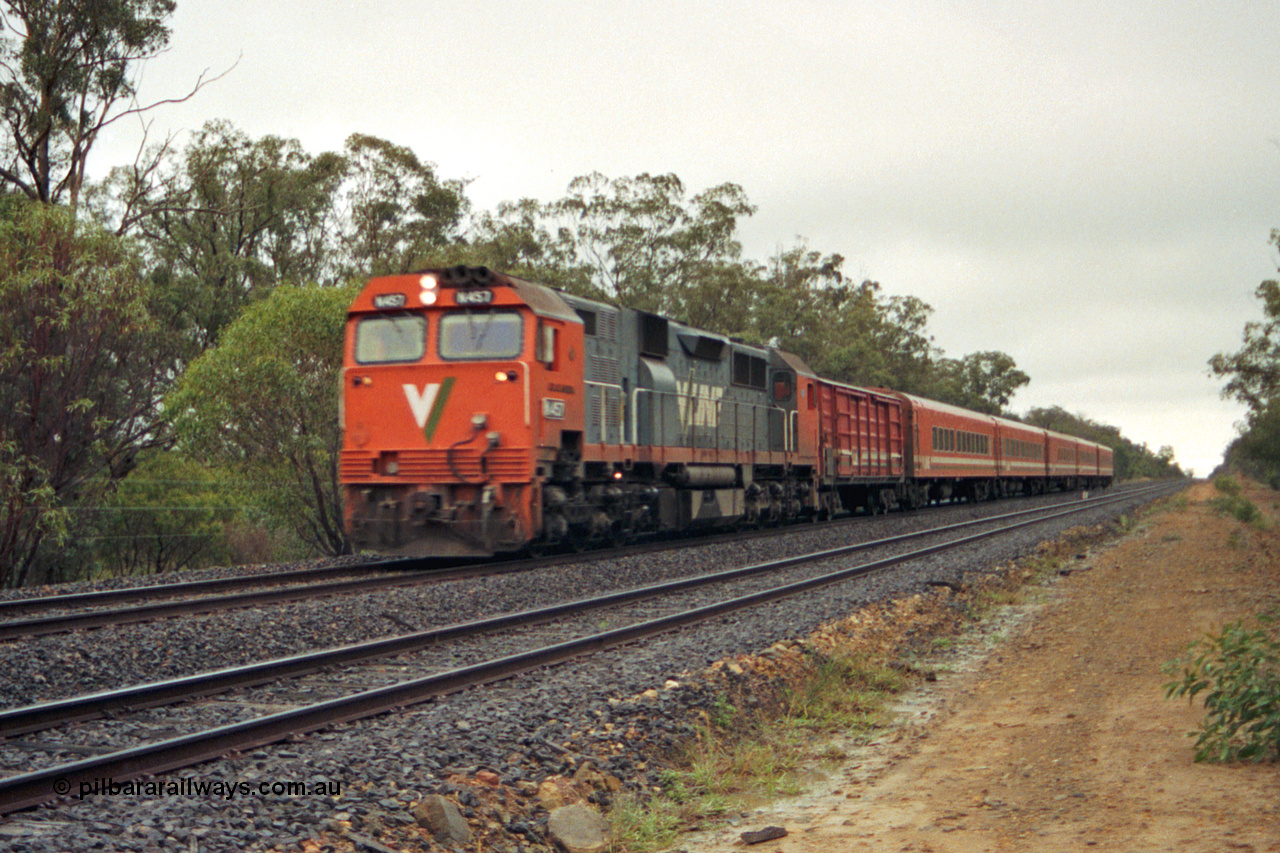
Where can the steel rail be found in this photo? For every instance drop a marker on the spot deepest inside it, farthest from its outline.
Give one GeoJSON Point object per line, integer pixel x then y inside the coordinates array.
{"type": "Point", "coordinates": [40, 786]}
{"type": "Point", "coordinates": [42, 626]}
{"type": "Point", "coordinates": [45, 715]}
{"type": "Point", "coordinates": [170, 590]}
{"type": "Point", "coordinates": [100, 618]}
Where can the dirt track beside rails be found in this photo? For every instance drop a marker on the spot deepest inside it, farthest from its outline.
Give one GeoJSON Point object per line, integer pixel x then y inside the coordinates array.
{"type": "Point", "coordinates": [1057, 736]}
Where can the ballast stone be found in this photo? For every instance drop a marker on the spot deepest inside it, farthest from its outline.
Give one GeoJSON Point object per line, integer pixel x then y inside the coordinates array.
{"type": "Point", "coordinates": [443, 819]}
{"type": "Point", "coordinates": [580, 828]}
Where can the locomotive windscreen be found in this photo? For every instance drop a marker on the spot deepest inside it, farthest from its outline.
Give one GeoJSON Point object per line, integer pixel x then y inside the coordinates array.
{"type": "Point", "coordinates": [481, 334]}
{"type": "Point", "coordinates": [391, 338]}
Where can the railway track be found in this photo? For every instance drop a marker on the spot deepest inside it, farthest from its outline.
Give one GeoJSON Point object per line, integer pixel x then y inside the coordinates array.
{"type": "Point", "coordinates": [30, 788]}
{"type": "Point", "coordinates": [221, 594]}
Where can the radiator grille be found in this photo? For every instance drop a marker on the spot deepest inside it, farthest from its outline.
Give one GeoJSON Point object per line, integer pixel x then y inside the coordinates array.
{"type": "Point", "coordinates": [603, 370]}
{"type": "Point", "coordinates": [607, 324]}
{"type": "Point", "coordinates": [502, 465]}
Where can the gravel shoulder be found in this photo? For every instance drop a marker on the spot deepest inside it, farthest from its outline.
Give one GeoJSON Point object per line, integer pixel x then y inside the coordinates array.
{"type": "Point", "coordinates": [1057, 736]}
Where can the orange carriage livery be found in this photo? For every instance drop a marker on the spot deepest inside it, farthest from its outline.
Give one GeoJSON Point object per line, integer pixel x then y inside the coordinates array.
{"type": "Point", "coordinates": [485, 414]}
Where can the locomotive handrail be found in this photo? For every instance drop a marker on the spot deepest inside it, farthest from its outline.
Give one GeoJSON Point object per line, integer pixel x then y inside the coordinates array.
{"type": "Point", "coordinates": [685, 436]}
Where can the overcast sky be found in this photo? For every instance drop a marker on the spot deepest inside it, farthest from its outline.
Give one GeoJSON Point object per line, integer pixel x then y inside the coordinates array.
{"type": "Point", "coordinates": [1089, 186]}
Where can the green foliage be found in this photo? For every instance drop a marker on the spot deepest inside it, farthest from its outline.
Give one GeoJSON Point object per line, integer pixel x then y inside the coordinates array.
{"type": "Point", "coordinates": [398, 213]}
{"type": "Point", "coordinates": [1231, 501]}
{"type": "Point", "coordinates": [1228, 485]}
{"type": "Point", "coordinates": [740, 755]}
{"type": "Point", "coordinates": [1252, 376]}
{"type": "Point", "coordinates": [225, 221]}
{"type": "Point", "coordinates": [230, 218]}
{"type": "Point", "coordinates": [1253, 373]}
{"type": "Point", "coordinates": [1256, 451]}
{"type": "Point", "coordinates": [1238, 507]}
{"type": "Point", "coordinates": [643, 243]}
{"type": "Point", "coordinates": [83, 361]}
{"type": "Point", "coordinates": [265, 401]}
{"type": "Point", "coordinates": [515, 238]}
{"type": "Point", "coordinates": [981, 381]}
{"type": "Point", "coordinates": [170, 513]}
{"type": "Point", "coordinates": [1238, 670]}
{"type": "Point", "coordinates": [646, 826]}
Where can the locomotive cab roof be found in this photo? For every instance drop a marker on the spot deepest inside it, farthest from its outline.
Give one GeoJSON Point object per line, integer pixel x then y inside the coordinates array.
{"type": "Point", "coordinates": [461, 287]}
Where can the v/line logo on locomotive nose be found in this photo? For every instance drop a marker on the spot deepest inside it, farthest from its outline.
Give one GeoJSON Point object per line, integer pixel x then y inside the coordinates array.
{"type": "Point", "coordinates": [428, 405]}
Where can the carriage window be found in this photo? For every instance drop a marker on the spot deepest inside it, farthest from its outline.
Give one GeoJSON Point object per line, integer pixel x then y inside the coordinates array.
{"type": "Point", "coordinates": [481, 334]}
{"type": "Point", "coordinates": [390, 338]}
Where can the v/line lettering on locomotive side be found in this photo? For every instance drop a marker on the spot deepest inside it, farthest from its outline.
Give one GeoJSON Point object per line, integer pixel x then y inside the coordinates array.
{"type": "Point", "coordinates": [428, 405]}
{"type": "Point", "coordinates": [699, 403]}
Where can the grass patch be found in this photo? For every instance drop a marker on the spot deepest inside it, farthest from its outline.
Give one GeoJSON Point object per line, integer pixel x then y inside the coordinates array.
{"type": "Point", "coordinates": [652, 825]}
{"type": "Point", "coordinates": [741, 756]}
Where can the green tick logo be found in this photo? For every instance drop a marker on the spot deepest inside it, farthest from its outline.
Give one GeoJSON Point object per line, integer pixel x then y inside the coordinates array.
{"type": "Point", "coordinates": [428, 405]}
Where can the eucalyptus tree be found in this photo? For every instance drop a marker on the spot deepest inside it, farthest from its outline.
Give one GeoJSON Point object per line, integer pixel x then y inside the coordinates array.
{"type": "Point", "coordinates": [225, 220]}
{"type": "Point", "coordinates": [83, 363]}
{"type": "Point", "coordinates": [1252, 373]}
{"type": "Point", "coordinates": [264, 402]}
{"type": "Point", "coordinates": [647, 245]}
{"type": "Point", "coordinates": [68, 69]}
{"type": "Point", "coordinates": [394, 212]}
{"type": "Point", "coordinates": [983, 381]}
{"type": "Point", "coordinates": [1252, 376]}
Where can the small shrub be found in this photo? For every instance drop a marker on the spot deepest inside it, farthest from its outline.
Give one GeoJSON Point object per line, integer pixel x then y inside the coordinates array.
{"type": "Point", "coordinates": [1228, 485]}
{"type": "Point", "coordinates": [1238, 670]}
{"type": "Point", "coordinates": [1238, 507]}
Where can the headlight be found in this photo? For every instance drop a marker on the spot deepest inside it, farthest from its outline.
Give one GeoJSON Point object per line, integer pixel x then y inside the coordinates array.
{"type": "Point", "coordinates": [430, 289]}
